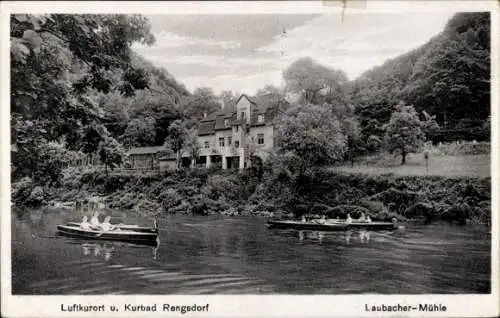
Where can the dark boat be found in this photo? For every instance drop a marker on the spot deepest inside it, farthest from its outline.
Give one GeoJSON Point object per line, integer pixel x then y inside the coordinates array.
{"type": "Point", "coordinates": [335, 226]}
{"type": "Point", "coordinates": [125, 235]}
{"type": "Point", "coordinates": [127, 227]}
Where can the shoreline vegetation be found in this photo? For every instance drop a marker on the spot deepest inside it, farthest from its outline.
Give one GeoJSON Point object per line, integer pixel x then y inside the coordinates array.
{"type": "Point", "coordinates": [425, 199]}
{"type": "Point", "coordinates": [338, 146]}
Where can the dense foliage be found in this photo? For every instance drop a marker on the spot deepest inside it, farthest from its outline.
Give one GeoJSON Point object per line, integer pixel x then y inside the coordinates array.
{"type": "Point", "coordinates": [448, 77]}
{"type": "Point", "coordinates": [76, 83]}
{"type": "Point", "coordinates": [78, 90]}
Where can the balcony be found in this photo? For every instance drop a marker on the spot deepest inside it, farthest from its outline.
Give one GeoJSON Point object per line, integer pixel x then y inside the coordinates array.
{"type": "Point", "coordinates": [209, 151]}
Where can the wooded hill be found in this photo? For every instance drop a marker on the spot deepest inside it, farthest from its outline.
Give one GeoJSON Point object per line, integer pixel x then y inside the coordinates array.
{"type": "Point", "coordinates": [448, 77]}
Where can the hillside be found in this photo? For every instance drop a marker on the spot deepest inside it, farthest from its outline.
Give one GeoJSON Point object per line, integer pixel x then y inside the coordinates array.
{"type": "Point", "coordinates": [449, 77]}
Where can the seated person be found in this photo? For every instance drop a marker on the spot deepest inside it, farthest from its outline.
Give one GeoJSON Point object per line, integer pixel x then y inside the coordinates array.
{"type": "Point", "coordinates": [85, 223]}
{"type": "Point", "coordinates": [303, 220]}
{"type": "Point", "coordinates": [322, 220]}
{"type": "Point", "coordinates": [349, 219]}
{"type": "Point", "coordinates": [368, 219]}
{"type": "Point", "coordinates": [94, 221]}
{"type": "Point", "coordinates": [106, 226]}
{"type": "Point", "coordinates": [362, 218]}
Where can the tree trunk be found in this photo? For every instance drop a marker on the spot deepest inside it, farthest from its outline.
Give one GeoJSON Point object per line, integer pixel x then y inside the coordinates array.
{"type": "Point", "coordinates": [403, 158]}
{"type": "Point", "coordinates": [178, 160]}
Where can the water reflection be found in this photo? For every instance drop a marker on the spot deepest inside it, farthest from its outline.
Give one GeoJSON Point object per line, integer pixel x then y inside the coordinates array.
{"type": "Point", "coordinates": [155, 249]}
{"type": "Point", "coordinates": [216, 255]}
{"type": "Point", "coordinates": [362, 236]}
{"type": "Point", "coordinates": [96, 250]}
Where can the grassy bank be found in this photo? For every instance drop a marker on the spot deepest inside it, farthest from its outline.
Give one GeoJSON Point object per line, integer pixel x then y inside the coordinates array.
{"type": "Point", "coordinates": [443, 165]}
{"type": "Point", "coordinates": [205, 192]}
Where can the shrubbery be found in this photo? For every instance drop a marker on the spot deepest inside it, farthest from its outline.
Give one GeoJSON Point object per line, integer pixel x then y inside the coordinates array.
{"type": "Point", "coordinates": [205, 192]}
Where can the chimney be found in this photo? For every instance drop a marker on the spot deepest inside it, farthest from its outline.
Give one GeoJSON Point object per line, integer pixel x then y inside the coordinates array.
{"type": "Point", "coordinates": [204, 114]}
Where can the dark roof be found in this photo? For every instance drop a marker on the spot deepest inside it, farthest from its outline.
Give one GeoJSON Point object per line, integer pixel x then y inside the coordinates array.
{"type": "Point", "coordinates": [215, 121]}
{"type": "Point", "coordinates": [168, 158]}
{"type": "Point", "coordinates": [219, 120]}
{"type": "Point", "coordinates": [248, 98]}
{"type": "Point", "coordinates": [206, 127]}
{"type": "Point", "coordinates": [146, 150]}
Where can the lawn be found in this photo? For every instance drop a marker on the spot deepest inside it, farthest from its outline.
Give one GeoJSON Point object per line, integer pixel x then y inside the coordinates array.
{"type": "Point", "coordinates": [446, 166]}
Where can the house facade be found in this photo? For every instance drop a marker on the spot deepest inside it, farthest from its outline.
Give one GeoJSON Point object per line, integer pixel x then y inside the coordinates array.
{"type": "Point", "coordinates": [228, 138]}
{"type": "Point", "coordinates": [233, 138]}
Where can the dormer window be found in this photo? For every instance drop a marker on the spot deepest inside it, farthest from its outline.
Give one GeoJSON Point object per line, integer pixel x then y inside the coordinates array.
{"type": "Point", "coordinates": [260, 119]}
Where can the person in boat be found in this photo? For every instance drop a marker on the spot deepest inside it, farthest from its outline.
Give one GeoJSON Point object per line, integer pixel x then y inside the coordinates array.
{"type": "Point", "coordinates": [349, 219]}
{"type": "Point", "coordinates": [94, 221]}
{"type": "Point", "coordinates": [303, 220]}
{"type": "Point", "coordinates": [106, 225]}
{"type": "Point", "coordinates": [368, 219]}
{"type": "Point", "coordinates": [322, 220]}
{"type": "Point", "coordinates": [85, 223]}
{"type": "Point", "coordinates": [362, 218]}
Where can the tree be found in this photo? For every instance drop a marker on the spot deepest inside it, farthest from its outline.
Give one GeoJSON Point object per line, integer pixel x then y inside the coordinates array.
{"type": "Point", "coordinates": [355, 145]}
{"type": "Point", "coordinates": [404, 132]}
{"type": "Point", "coordinates": [313, 82]}
{"type": "Point", "coordinates": [191, 145]}
{"type": "Point", "coordinates": [313, 133]}
{"type": "Point", "coordinates": [139, 132]}
{"type": "Point", "coordinates": [110, 152]}
{"type": "Point", "coordinates": [452, 78]}
{"type": "Point", "coordinates": [177, 134]}
{"type": "Point", "coordinates": [449, 76]}
{"type": "Point", "coordinates": [228, 100]}
{"type": "Point", "coordinates": [203, 101]}
{"type": "Point", "coordinates": [58, 62]}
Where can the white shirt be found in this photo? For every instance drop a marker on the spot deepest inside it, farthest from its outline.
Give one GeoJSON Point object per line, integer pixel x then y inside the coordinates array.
{"type": "Point", "coordinates": [106, 226]}
{"type": "Point", "coordinates": [94, 221]}
{"type": "Point", "coordinates": [85, 225]}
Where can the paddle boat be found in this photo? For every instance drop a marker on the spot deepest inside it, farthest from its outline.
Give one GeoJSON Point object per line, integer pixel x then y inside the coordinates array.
{"type": "Point", "coordinates": [331, 225]}
{"type": "Point", "coordinates": [127, 227]}
{"type": "Point", "coordinates": [130, 234]}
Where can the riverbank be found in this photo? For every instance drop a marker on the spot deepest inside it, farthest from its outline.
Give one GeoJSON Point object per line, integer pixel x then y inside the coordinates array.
{"type": "Point", "coordinates": [208, 192]}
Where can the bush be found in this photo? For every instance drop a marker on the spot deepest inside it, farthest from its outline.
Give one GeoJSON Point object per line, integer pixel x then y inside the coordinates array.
{"type": "Point", "coordinates": [421, 210]}
{"type": "Point", "coordinates": [223, 187]}
{"type": "Point", "coordinates": [21, 190]}
{"type": "Point", "coordinates": [458, 212]}
{"type": "Point", "coordinates": [169, 199]}
{"type": "Point", "coordinates": [36, 198]}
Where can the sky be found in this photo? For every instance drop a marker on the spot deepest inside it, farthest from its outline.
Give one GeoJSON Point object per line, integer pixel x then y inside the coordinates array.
{"type": "Point", "coordinates": [243, 53]}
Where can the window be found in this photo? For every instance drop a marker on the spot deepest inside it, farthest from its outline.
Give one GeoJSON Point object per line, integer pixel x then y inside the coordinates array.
{"type": "Point", "coordinates": [207, 144]}
{"type": "Point", "coordinates": [242, 115]}
{"type": "Point", "coordinates": [260, 119]}
{"type": "Point", "coordinates": [260, 139]}
{"type": "Point", "coordinates": [226, 122]}
{"type": "Point", "coordinates": [229, 140]}
{"type": "Point", "coordinates": [237, 128]}
{"type": "Point", "coordinates": [221, 142]}
{"type": "Point", "coordinates": [237, 143]}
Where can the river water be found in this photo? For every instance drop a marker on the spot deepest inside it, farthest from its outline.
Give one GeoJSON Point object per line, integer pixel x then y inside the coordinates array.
{"type": "Point", "coordinates": [226, 255]}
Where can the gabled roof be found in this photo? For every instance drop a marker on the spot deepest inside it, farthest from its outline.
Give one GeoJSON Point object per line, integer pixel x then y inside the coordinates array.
{"type": "Point", "coordinates": [248, 98]}
{"type": "Point", "coordinates": [215, 121]}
